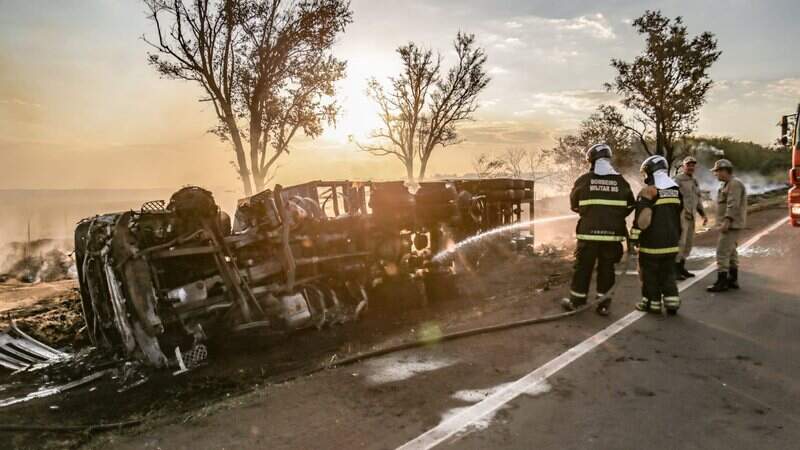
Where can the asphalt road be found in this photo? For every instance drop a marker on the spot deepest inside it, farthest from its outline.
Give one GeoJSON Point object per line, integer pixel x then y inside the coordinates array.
{"type": "Point", "coordinates": [721, 374]}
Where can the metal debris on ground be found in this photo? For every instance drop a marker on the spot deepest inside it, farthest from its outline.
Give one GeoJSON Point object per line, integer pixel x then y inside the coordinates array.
{"type": "Point", "coordinates": [47, 391]}
{"type": "Point", "coordinates": [19, 351]}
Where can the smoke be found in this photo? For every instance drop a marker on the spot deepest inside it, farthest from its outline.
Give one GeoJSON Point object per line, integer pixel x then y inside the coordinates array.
{"type": "Point", "coordinates": [758, 184]}
{"type": "Point", "coordinates": [36, 261]}
{"type": "Point", "coordinates": [755, 182]}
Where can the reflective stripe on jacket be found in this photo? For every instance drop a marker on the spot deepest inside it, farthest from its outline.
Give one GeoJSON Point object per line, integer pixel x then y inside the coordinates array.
{"type": "Point", "coordinates": [603, 202]}
{"type": "Point", "coordinates": [664, 232]}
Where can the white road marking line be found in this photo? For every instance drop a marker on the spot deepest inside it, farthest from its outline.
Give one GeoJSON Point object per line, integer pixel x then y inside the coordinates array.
{"type": "Point", "coordinates": [497, 400]}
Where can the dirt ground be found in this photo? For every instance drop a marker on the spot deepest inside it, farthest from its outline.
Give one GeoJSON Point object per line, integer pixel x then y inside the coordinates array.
{"type": "Point", "coordinates": [18, 296]}
{"type": "Point", "coordinates": [49, 312]}
{"type": "Point", "coordinates": [496, 290]}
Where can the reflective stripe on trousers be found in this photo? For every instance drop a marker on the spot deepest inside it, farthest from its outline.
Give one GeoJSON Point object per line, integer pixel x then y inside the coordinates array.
{"type": "Point", "coordinates": [600, 238]}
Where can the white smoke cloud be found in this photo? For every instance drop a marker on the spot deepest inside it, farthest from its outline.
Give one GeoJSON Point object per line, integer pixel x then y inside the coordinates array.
{"type": "Point", "coordinates": [754, 182]}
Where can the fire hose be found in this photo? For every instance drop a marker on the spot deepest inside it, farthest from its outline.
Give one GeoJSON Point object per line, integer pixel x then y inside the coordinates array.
{"type": "Point", "coordinates": [354, 358]}
{"type": "Point", "coordinates": [476, 331]}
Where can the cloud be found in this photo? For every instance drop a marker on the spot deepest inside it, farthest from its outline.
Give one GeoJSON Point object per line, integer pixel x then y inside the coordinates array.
{"type": "Point", "coordinates": [489, 103]}
{"type": "Point", "coordinates": [569, 105]}
{"type": "Point", "coordinates": [785, 87]}
{"type": "Point", "coordinates": [555, 55]}
{"type": "Point", "coordinates": [765, 90]}
{"type": "Point", "coordinates": [507, 132]}
{"type": "Point", "coordinates": [595, 25]}
{"type": "Point", "coordinates": [19, 102]}
{"type": "Point", "coordinates": [506, 43]}
{"type": "Point", "coordinates": [16, 112]}
{"type": "Point", "coordinates": [546, 40]}
{"type": "Point", "coordinates": [497, 70]}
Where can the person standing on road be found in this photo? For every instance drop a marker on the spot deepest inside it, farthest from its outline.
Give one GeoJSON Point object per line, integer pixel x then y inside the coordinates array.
{"type": "Point", "coordinates": [657, 229]}
{"type": "Point", "coordinates": [732, 218]}
{"type": "Point", "coordinates": [692, 203]}
{"type": "Point", "coordinates": [603, 199]}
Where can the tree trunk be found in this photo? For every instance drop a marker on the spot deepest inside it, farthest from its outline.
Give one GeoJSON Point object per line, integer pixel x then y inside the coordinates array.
{"type": "Point", "coordinates": [258, 183]}
{"type": "Point", "coordinates": [409, 170]}
{"type": "Point", "coordinates": [241, 160]}
{"type": "Point", "coordinates": [238, 146]}
{"type": "Point", "coordinates": [423, 166]}
{"type": "Point", "coordinates": [659, 140]}
{"type": "Point", "coordinates": [255, 169]}
{"type": "Point", "coordinates": [668, 154]}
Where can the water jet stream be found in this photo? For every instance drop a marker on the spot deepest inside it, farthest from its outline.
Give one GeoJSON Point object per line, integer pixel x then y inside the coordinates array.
{"type": "Point", "coordinates": [494, 232]}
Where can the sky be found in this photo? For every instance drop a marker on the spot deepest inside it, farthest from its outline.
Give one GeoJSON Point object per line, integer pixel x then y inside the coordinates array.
{"type": "Point", "coordinates": [80, 107]}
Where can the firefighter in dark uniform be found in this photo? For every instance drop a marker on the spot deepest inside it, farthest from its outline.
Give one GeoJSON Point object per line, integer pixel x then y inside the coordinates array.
{"type": "Point", "coordinates": [657, 229]}
{"type": "Point", "coordinates": [603, 199]}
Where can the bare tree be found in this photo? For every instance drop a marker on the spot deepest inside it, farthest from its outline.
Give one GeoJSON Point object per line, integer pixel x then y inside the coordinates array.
{"type": "Point", "coordinates": [566, 160]}
{"type": "Point", "coordinates": [421, 109]}
{"type": "Point", "coordinates": [514, 160]}
{"type": "Point", "coordinates": [606, 125]}
{"type": "Point", "coordinates": [667, 84]}
{"type": "Point", "coordinates": [486, 166]}
{"type": "Point", "coordinates": [535, 160]}
{"type": "Point", "coordinates": [265, 66]}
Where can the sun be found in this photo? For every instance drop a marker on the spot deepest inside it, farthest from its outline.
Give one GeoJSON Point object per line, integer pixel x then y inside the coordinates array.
{"type": "Point", "coordinates": [358, 116]}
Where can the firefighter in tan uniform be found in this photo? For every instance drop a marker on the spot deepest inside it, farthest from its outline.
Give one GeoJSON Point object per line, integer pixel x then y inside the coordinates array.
{"type": "Point", "coordinates": [732, 218]}
{"type": "Point", "coordinates": [692, 204]}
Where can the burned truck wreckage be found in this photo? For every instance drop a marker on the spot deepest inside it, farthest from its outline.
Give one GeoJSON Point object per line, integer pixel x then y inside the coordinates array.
{"type": "Point", "coordinates": [159, 282]}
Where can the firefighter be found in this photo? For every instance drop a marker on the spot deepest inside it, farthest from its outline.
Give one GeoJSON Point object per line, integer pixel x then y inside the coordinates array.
{"type": "Point", "coordinates": [603, 199]}
{"type": "Point", "coordinates": [657, 230]}
{"type": "Point", "coordinates": [692, 203]}
{"type": "Point", "coordinates": [732, 217]}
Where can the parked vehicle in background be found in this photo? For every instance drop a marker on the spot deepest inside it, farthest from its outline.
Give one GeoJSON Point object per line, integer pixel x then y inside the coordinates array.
{"type": "Point", "coordinates": [793, 139]}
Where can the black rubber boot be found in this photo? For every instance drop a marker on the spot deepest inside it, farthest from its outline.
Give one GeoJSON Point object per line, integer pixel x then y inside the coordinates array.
{"type": "Point", "coordinates": [733, 278]}
{"type": "Point", "coordinates": [683, 270]}
{"type": "Point", "coordinates": [679, 269]}
{"type": "Point", "coordinates": [571, 304]}
{"type": "Point", "coordinates": [604, 307]}
{"type": "Point", "coordinates": [722, 283]}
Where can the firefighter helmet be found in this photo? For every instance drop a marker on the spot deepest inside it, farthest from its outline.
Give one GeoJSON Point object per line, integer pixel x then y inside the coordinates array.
{"type": "Point", "coordinates": [598, 151]}
{"type": "Point", "coordinates": [653, 164]}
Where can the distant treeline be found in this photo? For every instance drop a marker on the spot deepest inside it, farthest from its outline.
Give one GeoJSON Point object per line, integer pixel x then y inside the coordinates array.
{"type": "Point", "coordinates": [771, 162]}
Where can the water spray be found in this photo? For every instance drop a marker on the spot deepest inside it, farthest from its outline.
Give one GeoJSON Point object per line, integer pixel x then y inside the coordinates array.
{"type": "Point", "coordinates": [445, 255]}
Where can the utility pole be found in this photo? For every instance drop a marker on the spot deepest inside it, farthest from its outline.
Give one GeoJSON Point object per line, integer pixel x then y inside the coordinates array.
{"type": "Point", "coordinates": [28, 241]}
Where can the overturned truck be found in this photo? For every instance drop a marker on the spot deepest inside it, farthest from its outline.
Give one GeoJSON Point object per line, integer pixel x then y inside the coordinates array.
{"type": "Point", "coordinates": [158, 282]}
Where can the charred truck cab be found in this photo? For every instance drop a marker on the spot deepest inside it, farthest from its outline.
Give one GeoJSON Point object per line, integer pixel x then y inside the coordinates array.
{"type": "Point", "coordinates": [157, 283]}
{"type": "Point", "coordinates": [793, 139]}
